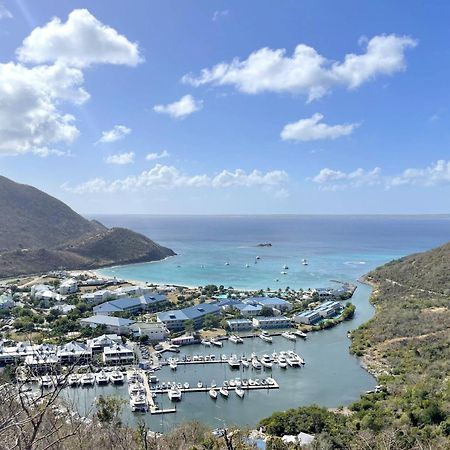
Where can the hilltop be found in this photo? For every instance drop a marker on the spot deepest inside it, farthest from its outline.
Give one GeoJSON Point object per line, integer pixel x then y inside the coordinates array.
{"type": "Point", "coordinates": [39, 233]}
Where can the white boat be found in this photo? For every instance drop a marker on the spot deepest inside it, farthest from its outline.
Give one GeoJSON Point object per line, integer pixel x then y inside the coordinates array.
{"type": "Point", "coordinates": [236, 339]}
{"type": "Point", "coordinates": [256, 364]}
{"type": "Point", "coordinates": [245, 363]}
{"type": "Point", "coordinates": [206, 342]}
{"type": "Point", "coordinates": [101, 378]}
{"type": "Point", "coordinates": [300, 334]}
{"type": "Point", "coordinates": [232, 383]}
{"type": "Point", "coordinates": [136, 388]}
{"type": "Point", "coordinates": [87, 379]}
{"type": "Point", "coordinates": [213, 394]}
{"type": "Point", "coordinates": [289, 336]}
{"type": "Point", "coordinates": [138, 403]}
{"type": "Point", "coordinates": [223, 391]}
{"type": "Point", "coordinates": [227, 263]}
{"type": "Point", "coordinates": [294, 361]}
{"type": "Point", "coordinates": [258, 257]}
{"type": "Point", "coordinates": [173, 364]}
{"type": "Point", "coordinates": [283, 273]}
{"type": "Point", "coordinates": [186, 385]}
{"type": "Point", "coordinates": [266, 361]}
{"type": "Point", "coordinates": [217, 343]}
{"type": "Point", "coordinates": [265, 337]}
{"type": "Point", "coordinates": [247, 265]}
{"type": "Point", "coordinates": [213, 384]}
{"type": "Point", "coordinates": [132, 377]}
{"type": "Point", "coordinates": [240, 392]}
{"type": "Point", "coordinates": [73, 380]}
{"type": "Point", "coordinates": [234, 363]}
{"type": "Point", "coordinates": [116, 377]}
{"type": "Point", "coordinates": [282, 364]}
{"type": "Point", "coordinates": [199, 384]}
{"type": "Point", "coordinates": [174, 394]}
{"type": "Point", "coordinates": [46, 382]}
{"type": "Point", "coordinates": [304, 262]}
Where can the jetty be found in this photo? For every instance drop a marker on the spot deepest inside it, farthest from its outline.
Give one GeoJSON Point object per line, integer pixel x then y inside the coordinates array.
{"type": "Point", "coordinates": [152, 405]}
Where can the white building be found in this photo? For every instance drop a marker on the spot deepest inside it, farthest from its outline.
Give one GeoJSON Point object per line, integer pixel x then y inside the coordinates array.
{"type": "Point", "coordinates": [117, 355]}
{"type": "Point", "coordinates": [155, 331]}
{"type": "Point", "coordinates": [68, 286]}
{"type": "Point", "coordinates": [44, 292]}
{"type": "Point", "coordinates": [93, 298]}
{"type": "Point", "coordinates": [239, 324]}
{"type": "Point", "coordinates": [272, 322]}
{"type": "Point", "coordinates": [112, 324]}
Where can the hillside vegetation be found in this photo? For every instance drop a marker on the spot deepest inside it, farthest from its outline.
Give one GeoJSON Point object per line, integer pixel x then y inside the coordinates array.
{"type": "Point", "coordinates": [39, 233]}
{"type": "Point", "coordinates": [407, 346]}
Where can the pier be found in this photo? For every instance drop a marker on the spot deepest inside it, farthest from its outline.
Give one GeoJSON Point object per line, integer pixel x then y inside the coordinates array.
{"type": "Point", "coordinates": [153, 407]}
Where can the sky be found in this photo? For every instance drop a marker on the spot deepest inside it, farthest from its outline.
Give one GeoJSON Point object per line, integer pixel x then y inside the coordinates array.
{"type": "Point", "coordinates": [228, 107]}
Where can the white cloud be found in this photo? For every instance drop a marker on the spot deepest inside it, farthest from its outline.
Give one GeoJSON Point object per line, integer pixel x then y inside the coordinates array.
{"type": "Point", "coordinates": [118, 132]}
{"type": "Point", "coordinates": [181, 108]}
{"type": "Point", "coordinates": [435, 174]}
{"type": "Point", "coordinates": [219, 14]}
{"type": "Point", "coordinates": [154, 156]}
{"type": "Point", "coordinates": [169, 177]}
{"type": "Point", "coordinates": [312, 130]}
{"type": "Point", "coordinates": [4, 12]}
{"type": "Point", "coordinates": [80, 42]}
{"type": "Point", "coordinates": [330, 179]}
{"type": "Point", "coordinates": [306, 71]}
{"type": "Point", "coordinates": [120, 159]}
{"type": "Point", "coordinates": [44, 152]}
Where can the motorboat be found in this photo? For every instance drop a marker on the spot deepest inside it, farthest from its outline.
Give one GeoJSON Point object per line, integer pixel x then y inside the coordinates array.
{"type": "Point", "coordinates": [227, 263]}
{"type": "Point", "coordinates": [138, 403]}
{"type": "Point", "coordinates": [173, 364]}
{"type": "Point", "coordinates": [46, 382]}
{"type": "Point", "coordinates": [282, 364]}
{"type": "Point", "coordinates": [266, 361]}
{"type": "Point", "coordinates": [300, 334]}
{"type": "Point", "coordinates": [132, 377]}
{"type": "Point", "coordinates": [87, 379]}
{"type": "Point", "coordinates": [285, 267]}
{"type": "Point", "coordinates": [73, 380]}
{"type": "Point", "coordinates": [283, 273]}
{"type": "Point", "coordinates": [256, 364]}
{"type": "Point", "coordinates": [245, 363]}
{"type": "Point", "coordinates": [153, 379]}
{"type": "Point", "coordinates": [117, 377]}
{"type": "Point", "coordinates": [101, 378]}
{"type": "Point", "coordinates": [174, 394]}
{"type": "Point", "coordinates": [234, 363]}
{"type": "Point", "coordinates": [265, 337]}
{"type": "Point", "coordinates": [240, 392]}
{"type": "Point", "coordinates": [232, 383]}
{"type": "Point", "coordinates": [136, 388]}
{"type": "Point", "coordinates": [236, 339]}
{"type": "Point", "coordinates": [206, 342]}
{"type": "Point", "coordinates": [179, 386]}
{"type": "Point", "coordinates": [288, 335]}
{"type": "Point", "coordinates": [213, 384]}
{"type": "Point", "coordinates": [186, 385]}
{"type": "Point", "coordinates": [213, 394]}
{"type": "Point", "coordinates": [217, 343]}
{"type": "Point", "coordinates": [223, 391]}
{"type": "Point", "coordinates": [199, 384]}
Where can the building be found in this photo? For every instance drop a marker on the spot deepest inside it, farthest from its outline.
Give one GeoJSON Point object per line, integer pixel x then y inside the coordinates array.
{"type": "Point", "coordinates": [94, 298]}
{"type": "Point", "coordinates": [6, 300]}
{"type": "Point", "coordinates": [44, 292]}
{"type": "Point", "coordinates": [249, 310]}
{"type": "Point", "coordinates": [272, 322]}
{"type": "Point", "coordinates": [269, 302]}
{"type": "Point", "coordinates": [175, 320]}
{"type": "Point", "coordinates": [112, 324]}
{"type": "Point", "coordinates": [118, 354]}
{"type": "Point", "coordinates": [74, 352]}
{"type": "Point", "coordinates": [308, 317]}
{"type": "Point", "coordinates": [105, 340]}
{"type": "Point", "coordinates": [68, 286]}
{"type": "Point", "coordinates": [239, 324]}
{"type": "Point", "coordinates": [155, 332]}
{"type": "Point", "coordinates": [144, 303]}
{"type": "Point", "coordinates": [329, 293]}
{"type": "Point", "coordinates": [329, 309]}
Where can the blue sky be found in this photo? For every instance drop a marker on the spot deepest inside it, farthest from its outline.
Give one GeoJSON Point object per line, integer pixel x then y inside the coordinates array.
{"type": "Point", "coordinates": [193, 107]}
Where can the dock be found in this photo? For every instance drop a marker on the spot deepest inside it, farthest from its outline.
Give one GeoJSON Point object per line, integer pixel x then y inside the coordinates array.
{"type": "Point", "coordinates": [153, 407]}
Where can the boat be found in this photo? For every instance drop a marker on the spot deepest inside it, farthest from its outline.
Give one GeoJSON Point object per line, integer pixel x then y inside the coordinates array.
{"type": "Point", "coordinates": [265, 337]}
{"type": "Point", "coordinates": [256, 364]}
{"type": "Point", "coordinates": [285, 267]}
{"type": "Point", "coordinates": [186, 385]}
{"type": "Point", "coordinates": [136, 388]}
{"type": "Point", "coordinates": [138, 403]}
{"type": "Point", "coordinates": [266, 361]}
{"type": "Point", "coordinates": [216, 343]}
{"type": "Point", "coordinates": [300, 334]}
{"type": "Point", "coordinates": [234, 363]}
{"type": "Point", "coordinates": [73, 380]}
{"type": "Point", "coordinates": [199, 384]}
{"type": "Point", "coordinates": [101, 378]}
{"type": "Point", "coordinates": [282, 364]}
{"type": "Point", "coordinates": [153, 379]}
{"type": "Point", "coordinates": [240, 392]}
{"type": "Point", "coordinates": [289, 336]}
{"type": "Point", "coordinates": [258, 257]}
{"type": "Point", "coordinates": [46, 382]}
{"type": "Point", "coordinates": [132, 377]}
{"type": "Point", "coordinates": [227, 263]}
{"type": "Point", "coordinates": [283, 273]}
{"type": "Point", "coordinates": [117, 377]}
{"type": "Point", "coordinates": [304, 262]}
{"type": "Point", "coordinates": [174, 394]}
{"type": "Point", "coordinates": [213, 384]}
{"type": "Point", "coordinates": [213, 394]}
{"type": "Point", "coordinates": [245, 363]}
{"type": "Point", "coordinates": [294, 361]}
{"type": "Point", "coordinates": [247, 265]}
{"type": "Point", "coordinates": [236, 339]}
{"type": "Point", "coordinates": [87, 379]}
{"type": "Point", "coordinates": [206, 342]}
{"type": "Point", "coordinates": [223, 391]}
{"type": "Point", "coordinates": [232, 383]}
{"type": "Point", "coordinates": [173, 364]}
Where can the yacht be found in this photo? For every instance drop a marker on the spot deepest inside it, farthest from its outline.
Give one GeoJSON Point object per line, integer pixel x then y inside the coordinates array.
{"type": "Point", "coordinates": [236, 339]}
{"type": "Point", "coordinates": [132, 377]}
{"type": "Point", "coordinates": [285, 267]}
{"type": "Point", "coordinates": [304, 262]}
{"type": "Point", "coordinates": [138, 403]}
{"type": "Point", "coordinates": [256, 364]}
{"type": "Point", "coordinates": [240, 392]}
{"type": "Point", "coordinates": [245, 363]}
{"type": "Point", "coordinates": [174, 394]}
{"type": "Point", "coordinates": [300, 334]}
{"type": "Point", "coordinates": [289, 336]}
{"type": "Point", "coordinates": [234, 363]}
{"type": "Point", "coordinates": [213, 394]}
{"type": "Point", "coordinates": [116, 377]}
{"type": "Point", "coordinates": [213, 384]}
{"type": "Point", "coordinates": [216, 343]}
{"type": "Point", "coordinates": [206, 342]}
{"type": "Point", "coordinates": [266, 361]}
{"type": "Point", "coordinates": [223, 391]}
{"type": "Point", "coordinates": [73, 380]}
{"type": "Point", "coordinates": [283, 273]}
{"type": "Point", "coordinates": [265, 337]}
{"type": "Point", "coordinates": [136, 388]}
{"type": "Point", "coordinates": [46, 382]}
{"type": "Point", "coordinates": [173, 364]}
{"type": "Point", "coordinates": [87, 379]}
{"type": "Point", "coordinates": [101, 378]}
{"type": "Point", "coordinates": [232, 383]}
{"type": "Point", "coordinates": [153, 379]}
{"type": "Point", "coordinates": [294, 361]}
{"type": "Point", "coordinates": [199, 384]}
{"type": "Point", "coordinates": [282, 364]}
{"type": "Point", "coordinates": [186, 385]}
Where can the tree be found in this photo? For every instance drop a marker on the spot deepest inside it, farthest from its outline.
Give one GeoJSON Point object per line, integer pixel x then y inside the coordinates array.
{"type": "Point", "coordinates": [189, 326]}
{"type": "Point", "coordinates": [211, 321]}
{"type": "Point", "coordinates": [266, 311]}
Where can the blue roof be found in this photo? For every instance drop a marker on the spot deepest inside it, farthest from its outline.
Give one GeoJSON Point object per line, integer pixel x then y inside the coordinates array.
{"type": "Point", "coordinates": [124, 303]}
{"type": "Point", "coordinates": [308, 314]}
{"type": "Point", "coordinates": [193, 312]}
{"type": "Point", "coordinates": [272, 319]}
{"type": "Point", "coordinates": [154, 298]}
{"type": "Point", "coordinates": [176, 314]}
{"type": "Point", "coordinates": [108, 320]}
{"type": "Point", "coordinates": [266, 300]}
{"type": "Point", "coordinates": [243, 307]}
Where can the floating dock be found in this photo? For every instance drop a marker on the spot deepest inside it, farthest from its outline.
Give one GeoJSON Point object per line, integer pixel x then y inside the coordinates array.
{"type": "Point", "coordinates": [153, 407]}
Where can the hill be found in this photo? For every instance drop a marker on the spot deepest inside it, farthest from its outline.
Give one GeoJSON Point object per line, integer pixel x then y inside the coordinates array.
{"type": "Point", "coordinates": [40, 233]}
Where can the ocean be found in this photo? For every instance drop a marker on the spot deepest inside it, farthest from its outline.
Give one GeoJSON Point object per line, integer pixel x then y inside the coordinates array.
{"type": "Point", "coordinates": [337, 248]}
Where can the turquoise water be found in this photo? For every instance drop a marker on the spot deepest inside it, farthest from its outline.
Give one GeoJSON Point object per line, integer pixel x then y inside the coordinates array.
{"type": "Point", "coordinates": [342, 248]}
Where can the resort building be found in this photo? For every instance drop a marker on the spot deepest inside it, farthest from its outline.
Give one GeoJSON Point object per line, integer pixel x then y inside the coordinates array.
{"type": "Point", "coordinates": [68, 286]}
{"type": "Point", "coordinates": [175, 320]}
{"type": "Point", "coordinates": [44, 292]}
{"type": "Point", "coordinates": [105, 340]}
{"type": "Point", "coordinates": [329, 293]}
{"type": "Point", "coordinates": [308, 317]}
{"type": "Point", "coordinates": [239, 324]}
{"type": "Point", "coordinates": [112, 324]}
{"type": "Point", "coordinates": [272, 322]}
{"type": "Point", "coordinates": [154, 331]}
{"type": "Point", "coordinates": [269, 302]}
{"type": "Point", "coordinates": [329, 309]}
{"type": "Point", "coordinates": [74, 352]}
{"type": "Point", "coordinates": [94, 298]}
{"type": "Point", "coordinates": [144, 303]}
{"type": "Point", "coordinates": [117, 355]}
